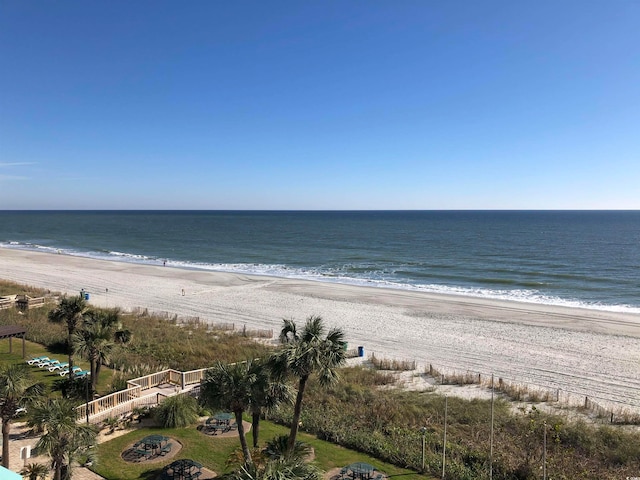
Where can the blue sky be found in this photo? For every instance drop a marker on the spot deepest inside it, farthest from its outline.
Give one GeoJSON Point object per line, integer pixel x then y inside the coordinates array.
{"type": "Point", "coordinates": [320, 105]}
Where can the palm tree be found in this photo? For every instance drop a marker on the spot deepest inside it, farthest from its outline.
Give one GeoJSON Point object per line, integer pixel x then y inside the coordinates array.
{"type": "Point", "coordinates": [35, 471]}
{"type": "Point", "coordinates": [95, 339]}
{"type": "Point", "coordinates": [70, 311]}
{"type": "Point", "coordinates": [267, 393]}
{"type": "Point", "coordinates": [229, 387]}
{"type": "Point", "coordinates": [16, 390]}
{"type": "Point", "coordinates": [64, 439]}
{"type": "Point", "coordinates": [304, 353]}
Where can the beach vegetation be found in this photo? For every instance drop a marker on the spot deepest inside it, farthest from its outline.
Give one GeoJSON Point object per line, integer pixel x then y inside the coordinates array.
{"type": "Point", "coordinates": [386, 424]}
{"type": "Point", "coordinates": [305, 353]}
{"type": "Point", "coordinates": [380, 363]}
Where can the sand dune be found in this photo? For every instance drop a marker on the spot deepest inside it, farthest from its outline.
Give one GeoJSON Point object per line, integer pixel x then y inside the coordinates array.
{"type": "Point", "coordinates": [582, 352]}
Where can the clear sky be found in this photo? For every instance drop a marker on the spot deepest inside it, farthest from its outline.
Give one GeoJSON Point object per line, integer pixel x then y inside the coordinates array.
{"type": "Point", "coordinates": [371, 104]}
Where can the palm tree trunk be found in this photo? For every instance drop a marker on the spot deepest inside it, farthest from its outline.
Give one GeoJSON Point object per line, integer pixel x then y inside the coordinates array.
{"type": "Point", "coordinates": [94, 372]}
{"type": "Point", "coordinates": [70, 346]}
{"type": "Point", "coordinates": [255, 426]}
{"type": "Point", "coordinates": [243, 438]}
{"type": "Point", "coordinates": [295, 422]}
{"type": "Point", "coordinates": [6, 429]}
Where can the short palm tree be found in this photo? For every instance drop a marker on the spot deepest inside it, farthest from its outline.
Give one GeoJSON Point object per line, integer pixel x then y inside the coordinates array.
{"type": "Point", "coordinates": [277, 448]}
{"type": "Point", "coordinates": [35, 471]}
{"type": "Point", "coordinates": [64, 439]}
{"type": "Point", "coordinates": [229, 387]}
{"type": "Point", "coordinates": [304, 353]}
{"type": "Point", "coordinates": [17, 389]}
{"type": "Point", "coordinates": [279, 470]}
{"type": "Point", "coordinates": [69, 311]}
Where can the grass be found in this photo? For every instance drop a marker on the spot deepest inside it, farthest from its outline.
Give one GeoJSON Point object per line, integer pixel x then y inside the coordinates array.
{"type": "Point", "coordinates": [42, 374]}
{"type": "Point", "coordinates": [214, 453]}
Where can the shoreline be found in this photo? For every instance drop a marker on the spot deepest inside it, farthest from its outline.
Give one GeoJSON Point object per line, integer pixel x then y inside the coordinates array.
{"type": "Point", "coordinates": [584, 352]}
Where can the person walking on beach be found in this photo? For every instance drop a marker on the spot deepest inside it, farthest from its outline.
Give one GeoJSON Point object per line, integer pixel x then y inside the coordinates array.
{"type": "Point", "coordinates": [183, 292]}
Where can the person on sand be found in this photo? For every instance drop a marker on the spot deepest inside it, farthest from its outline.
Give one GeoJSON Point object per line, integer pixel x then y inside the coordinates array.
{"type": "Point", "coordinates": [183, 292]}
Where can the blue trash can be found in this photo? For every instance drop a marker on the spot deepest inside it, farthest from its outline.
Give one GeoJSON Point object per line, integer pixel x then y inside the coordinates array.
{"type": "Point", "coordinates": [86, 296]}
{"type": "Point", "coordinates": [361, 351]}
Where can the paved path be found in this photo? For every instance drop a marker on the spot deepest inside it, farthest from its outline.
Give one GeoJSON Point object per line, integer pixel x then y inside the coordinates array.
{"type": "Point", "coordinates": [20, 438]}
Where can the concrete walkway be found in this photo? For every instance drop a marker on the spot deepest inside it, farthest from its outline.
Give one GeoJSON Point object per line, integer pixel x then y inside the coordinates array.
{"type": "Point", "coordinates": [19, 437]}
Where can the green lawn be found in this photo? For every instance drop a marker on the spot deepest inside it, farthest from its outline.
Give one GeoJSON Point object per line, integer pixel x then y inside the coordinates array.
{"type": "Point", "coordinates": [42, 374]}
{"type": "Point", "coordinates": [214, 453]}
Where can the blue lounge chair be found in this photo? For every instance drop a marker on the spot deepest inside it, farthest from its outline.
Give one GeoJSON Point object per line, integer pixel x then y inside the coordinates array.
{"type": "Point", "coordinates": [35, 360]}
{"type": "Point", "coordinates": [48, 363]}
{"type": "Point", "coordinates": [66, 371]}
{"type": "Point", "coordinates": [58, 366]}
{"type": "Point", "coordinates": [83, 373]}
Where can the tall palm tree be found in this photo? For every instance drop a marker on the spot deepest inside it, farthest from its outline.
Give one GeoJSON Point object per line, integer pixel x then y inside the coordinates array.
{"type": "Point", "coordinates": [70, 311]}
{"type": "Point", "coordinates": [17, 389]}
{"type": "Point", "coordinates": [64, 439]}
{"type": "Point", "coordinates": [229, 387]}
{"type": "Point", "coordinates": [267, 393]}
{"type": "Point", "coordinates": [95, 339]}
{"type": "Point", "coordinates": [304, 353]}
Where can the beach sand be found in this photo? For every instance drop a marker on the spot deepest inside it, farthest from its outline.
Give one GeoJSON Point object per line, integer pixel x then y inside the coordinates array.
{"type": "Point", "coordinates": [583, 352]}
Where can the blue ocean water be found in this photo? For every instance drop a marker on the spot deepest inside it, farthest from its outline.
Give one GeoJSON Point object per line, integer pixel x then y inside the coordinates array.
{"type": "Point", "coordinates": [573, 258]}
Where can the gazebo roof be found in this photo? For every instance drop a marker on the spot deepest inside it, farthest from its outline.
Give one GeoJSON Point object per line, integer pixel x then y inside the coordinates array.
{"type": "Point", "coordinates": [12, 331]}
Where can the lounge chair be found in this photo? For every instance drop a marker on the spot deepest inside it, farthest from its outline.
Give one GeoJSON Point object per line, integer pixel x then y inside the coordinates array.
{"type": "Point", "coordinates": [66, 371]}
{"type": "Point", "coordinates": [35, 360]}
{"type": "Point", "coordinates": [48, 363]}
{"type": "Point", "coordinates": [83, 373]}
{"type": "Point", "coordinates": [58, 366]}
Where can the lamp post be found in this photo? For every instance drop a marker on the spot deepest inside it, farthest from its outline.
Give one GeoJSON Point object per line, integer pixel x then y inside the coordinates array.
{"type": "Point", "coordinates": [444, 440]}
{"type": "Point", "coordinates": [86, 407]}
{"type": "Point", "coordinates": [423, 430]}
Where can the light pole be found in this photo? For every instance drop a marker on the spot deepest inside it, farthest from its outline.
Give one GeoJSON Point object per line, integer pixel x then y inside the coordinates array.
{"type": "Point", "coordinates": [491, 439]}
{"type": "Point", "coordinates": [444, 441]}
{"type": "Point", "coordinates": [423, 430]}
{"type": "Point", "coordinates": [86, 380]}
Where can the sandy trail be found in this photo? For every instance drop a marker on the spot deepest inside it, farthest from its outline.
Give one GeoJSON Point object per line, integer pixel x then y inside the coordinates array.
{"type": "Point", "coordinates": [582, 352]}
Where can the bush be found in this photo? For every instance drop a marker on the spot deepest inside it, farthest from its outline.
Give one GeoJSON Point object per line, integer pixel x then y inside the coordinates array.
{"type": "Point", "coordinates": [178, 411]}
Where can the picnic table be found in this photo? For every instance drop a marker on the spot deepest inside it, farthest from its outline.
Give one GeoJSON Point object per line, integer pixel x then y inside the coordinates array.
{"type": "Point", "coordinates": [359, 470]}
{"type": "Point", "coordinates": [184, 469]}
{"type": "Point", "coordinates": [220, 422]}
{"type": "Point", "coordinates": [152, 445]}
{"type": "Point", "coordinates": [220, 418]}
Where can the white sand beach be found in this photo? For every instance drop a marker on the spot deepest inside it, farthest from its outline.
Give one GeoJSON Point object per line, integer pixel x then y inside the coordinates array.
{"type": "Point", "coordinates": [580, 351]}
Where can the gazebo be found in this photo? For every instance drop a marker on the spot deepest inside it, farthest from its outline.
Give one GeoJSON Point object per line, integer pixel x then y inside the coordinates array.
{"type": "Point", "coordinates": [11, 331]}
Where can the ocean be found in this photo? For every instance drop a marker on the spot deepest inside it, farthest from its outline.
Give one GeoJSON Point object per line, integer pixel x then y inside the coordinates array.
{"type": "Point", "coordinates": [588, 259]}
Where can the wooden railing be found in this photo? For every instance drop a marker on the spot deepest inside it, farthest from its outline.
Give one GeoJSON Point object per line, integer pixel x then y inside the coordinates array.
{"type": "Point", "coordinates": [125, 401]}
